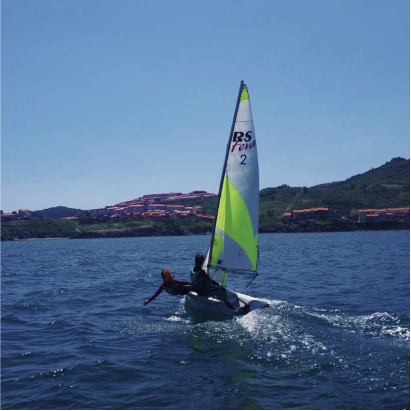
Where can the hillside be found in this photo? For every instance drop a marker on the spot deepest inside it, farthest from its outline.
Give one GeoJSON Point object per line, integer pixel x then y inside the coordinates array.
{"type": "Point", "coordinates": [22, 229]}
{"type": "Point", "coordinates": [59, 211]}
{"type": "Point", "coordinates": [384, 186]}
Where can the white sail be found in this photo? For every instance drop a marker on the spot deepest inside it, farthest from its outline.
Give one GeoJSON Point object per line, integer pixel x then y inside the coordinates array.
{"type": "Point", "coordinates": [235, 236]}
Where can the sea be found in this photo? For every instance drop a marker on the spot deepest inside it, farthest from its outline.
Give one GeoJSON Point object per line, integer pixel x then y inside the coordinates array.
{"type": "Point", "coordinates": [75, 333]}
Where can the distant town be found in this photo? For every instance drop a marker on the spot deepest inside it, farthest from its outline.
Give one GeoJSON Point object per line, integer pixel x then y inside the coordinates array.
{"type": "Point", "coordinates": [148, 207]}
{"type": "Point", "coordinates": [158, 207]}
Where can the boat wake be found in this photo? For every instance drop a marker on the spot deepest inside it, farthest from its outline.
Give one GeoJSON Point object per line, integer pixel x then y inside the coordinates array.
{"type": "Point", "coordinates": [294, 326]}
{"type": "Point", "coordinates": [287, 320]}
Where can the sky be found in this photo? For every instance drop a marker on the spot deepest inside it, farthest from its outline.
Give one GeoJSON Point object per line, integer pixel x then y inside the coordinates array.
{"type": "Point", "coordinates": [104, 101]}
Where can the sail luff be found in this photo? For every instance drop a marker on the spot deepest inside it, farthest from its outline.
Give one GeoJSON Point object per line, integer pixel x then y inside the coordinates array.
{"type": "Point", "coordinates": [209, 259]}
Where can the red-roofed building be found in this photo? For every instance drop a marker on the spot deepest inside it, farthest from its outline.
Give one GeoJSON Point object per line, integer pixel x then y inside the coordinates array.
{"type": "Point", "coordinates": [156, 207]}
{"type": "Point", "coordinates": [23, 213]}
{"type": "Point", "coordinates": [139, 208]}
{"type": "Point", "coordinates": [175, 207]}
{"type": "Point", "coordinates": [386, 214]}
{"type": "Point", "coordinates": [313, 213]}
{"type": "Point", "coordinates": [182, 214]}
{"type": "Point", "coordinates": [8, 217]}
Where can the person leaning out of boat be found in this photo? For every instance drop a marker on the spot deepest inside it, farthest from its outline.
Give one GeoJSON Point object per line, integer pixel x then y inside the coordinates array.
{"type": "Point", "coordinates": [172, 286]}
{"type": "Point", "coordinates": [204, 285]}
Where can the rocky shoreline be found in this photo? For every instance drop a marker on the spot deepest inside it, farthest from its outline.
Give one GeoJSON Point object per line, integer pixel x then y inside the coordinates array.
{"type": "Point", "coordinates": [143, 231]}
{"type": "Point", "coordinates": [313, 226]}
{"type": "Point", "coordinates": [306, 226]}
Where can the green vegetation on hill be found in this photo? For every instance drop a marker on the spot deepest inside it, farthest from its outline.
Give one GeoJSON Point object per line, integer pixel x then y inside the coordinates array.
{"type": "Point", "coordinates": [21, 229]}
{"type": "Point", "coordinates": [274, 202]}
{"type": "Point", "coordinates": [59, 211]}
{"type": "Point", "coordinates": [381, 187]}
{"type": "Point", "coordinates": [385, 186]}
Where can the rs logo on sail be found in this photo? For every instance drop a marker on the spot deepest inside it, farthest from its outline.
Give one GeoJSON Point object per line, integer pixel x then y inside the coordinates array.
{"type": "Point", "coordinates": [242, 141]}
{"type": "Point", "coordinates": [238, 136]}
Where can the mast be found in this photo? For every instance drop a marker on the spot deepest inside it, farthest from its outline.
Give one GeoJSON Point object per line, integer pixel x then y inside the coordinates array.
{"type": "Point", "coordinates": [224, 169]}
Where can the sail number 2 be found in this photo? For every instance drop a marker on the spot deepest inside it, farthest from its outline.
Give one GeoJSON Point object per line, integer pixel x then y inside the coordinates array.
{"type": "Point", "coordinates": [242, 142]}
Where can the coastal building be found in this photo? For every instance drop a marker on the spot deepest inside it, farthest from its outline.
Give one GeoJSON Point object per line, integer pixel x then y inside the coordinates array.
{"type": "Point", "coordinates": [9, 217]}
{"type": "Point", "coordinates": [115, 210]}
{"type": "Point", "coordinates": [156, 215]}
{"type": "Point", "coordinates": [136, 208]}
{"type": "Point", "coordinates": [24, 213]}
{"type": "Point", "coordinates": [192, 210]}
{"type": "Point", "coordinates": [161, 195]}
{"type": "Point", "coordinates": [311, 213]}
{"type": "Point", "coordinates": [182, 214]}
{"type": "Point", "coordinates": [156, 207]}
{"type": "Point", "coordinates": [175, 207]}
{"type": "Point", "coordinates": [372, 215]}
{"type": "Point", "coordinates": [100, 211]}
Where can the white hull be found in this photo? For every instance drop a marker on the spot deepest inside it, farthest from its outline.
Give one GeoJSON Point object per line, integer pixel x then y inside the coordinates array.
{"type": "Point", "coordinates": [242, 305]}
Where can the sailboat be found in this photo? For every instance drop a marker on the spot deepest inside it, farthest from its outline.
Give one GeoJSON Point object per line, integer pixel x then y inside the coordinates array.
{"type": "Point", "coordinates": [233, 247]}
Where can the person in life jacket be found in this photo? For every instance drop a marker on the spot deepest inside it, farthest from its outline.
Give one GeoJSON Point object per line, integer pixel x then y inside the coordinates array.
{"type": "Point", "coordinates": [204, 285]}
{"type": "Point", "coordinates": [172, 286]}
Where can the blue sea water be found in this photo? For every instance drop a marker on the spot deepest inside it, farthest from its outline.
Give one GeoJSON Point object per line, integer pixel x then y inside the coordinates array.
{"type": "Point", "coordinates": [75, 334]}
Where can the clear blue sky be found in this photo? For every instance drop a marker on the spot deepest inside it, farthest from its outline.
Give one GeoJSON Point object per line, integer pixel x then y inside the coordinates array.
{"type": "Point", "coordinates": [104, 101]}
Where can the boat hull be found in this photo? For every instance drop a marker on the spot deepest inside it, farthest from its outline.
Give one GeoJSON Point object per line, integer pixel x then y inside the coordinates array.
{"type": "Point", "coordinates": [242, 304]}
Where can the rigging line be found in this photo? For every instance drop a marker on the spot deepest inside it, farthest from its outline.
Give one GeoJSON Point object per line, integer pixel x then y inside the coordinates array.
{"type": "Point", "coordinates": [255, 275]}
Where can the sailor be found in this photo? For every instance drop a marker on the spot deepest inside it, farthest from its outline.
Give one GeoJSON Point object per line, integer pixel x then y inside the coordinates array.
{"type": "Point", "coordinates": [204, 285]}
{"type": "Point", "coordinates": [171, 286]}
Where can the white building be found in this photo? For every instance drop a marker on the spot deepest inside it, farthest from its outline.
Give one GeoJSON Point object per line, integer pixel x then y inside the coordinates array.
{"type": "Point", "coordinates": [99, 211]}
{"type": "Point", "coordinates": [136, 208]}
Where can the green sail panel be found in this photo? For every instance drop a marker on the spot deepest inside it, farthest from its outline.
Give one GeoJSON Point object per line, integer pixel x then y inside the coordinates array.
{"type": "Point", "coordinates": [244, 94]}
{"type": "Point", "coordinates": [236, 235]}
{"type": "Point", "coordinates": [233, 219]}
